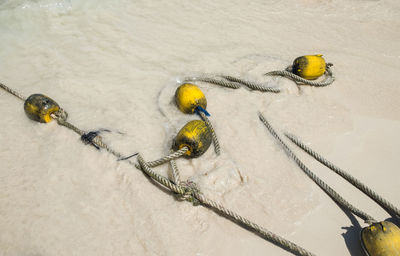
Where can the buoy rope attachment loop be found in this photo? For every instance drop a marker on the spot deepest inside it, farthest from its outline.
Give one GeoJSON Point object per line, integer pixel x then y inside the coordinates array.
{"type": "Point", "coordinates": [329, 77]}
{"type": "Point", "coordinates": [386, 205]}
{"type": "Point", "coordinates": [325, 187]}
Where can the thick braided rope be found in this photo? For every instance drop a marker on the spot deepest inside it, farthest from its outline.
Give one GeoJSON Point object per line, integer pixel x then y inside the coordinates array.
{"type": "Point", "coordinates": [191, 194]}
{"type": "Point", "coordinates": [252, 85]}
{"type": "Point", "coordinates": [9, 90]}
{"type": "Point", "coordinates": [176, 177]}
{"type": "Point", "coordinates": [213, 134]}
{"type": "Point", "coordinates": [390, 208]}
{"type": "Point", "coordinates": [332, 193]}
{"type": "Point", "coordinates": [210, 80]}
{"type": "Point", "coordinates": [285, 73]}
{"type": "Point", "coordinates": [171, 156]}
{"type": "Point", "coordinates": [157, 177]}
{"type": "Point", "coordinates": [268, 235]}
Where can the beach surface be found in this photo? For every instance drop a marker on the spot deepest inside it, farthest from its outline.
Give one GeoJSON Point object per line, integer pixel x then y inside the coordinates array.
{"type": "Point", "coordinates": [116, 64]}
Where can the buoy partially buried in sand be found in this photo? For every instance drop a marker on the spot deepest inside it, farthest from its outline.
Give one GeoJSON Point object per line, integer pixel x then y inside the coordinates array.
{"type": "Point", "coordinates": [381, 239]}
{"type": "Point", "coordinates": [309, 66]}
{"type": "Point", "coordinates": [39, 107]}
{"type": "Point", "coordinates": [189, 97]}
{"type": "Point", "coordinates": [196, 136]}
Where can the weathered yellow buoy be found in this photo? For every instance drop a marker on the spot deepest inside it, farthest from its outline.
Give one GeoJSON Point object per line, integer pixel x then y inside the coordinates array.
{"type": "Point", "coordinates": [196, 136]}
{"type": "Point", "coordinates": [39, 107]}
{"type": "Point", "coordinates": [381, 239]}
{"type": "Point", "coordinates": [188, 97]}
{"type": "Point", "coordinates": [309, 66]}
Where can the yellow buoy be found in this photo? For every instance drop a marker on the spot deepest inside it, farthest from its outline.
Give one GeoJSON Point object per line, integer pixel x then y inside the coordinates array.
{"type": "Point", "coordinates": [188, 97]}
{"type": "Point", "coordinates": [39, 107]}
{"type": "Point", "coordinates": [196, 136]}
{"type": "Point", "coordinates": [309, 66]}
{"type": "Point", "coordinates": [381, 239]}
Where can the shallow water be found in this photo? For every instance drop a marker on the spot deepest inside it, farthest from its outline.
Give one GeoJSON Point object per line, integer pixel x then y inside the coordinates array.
{"type": "Point", "coordinates": [114, 64]}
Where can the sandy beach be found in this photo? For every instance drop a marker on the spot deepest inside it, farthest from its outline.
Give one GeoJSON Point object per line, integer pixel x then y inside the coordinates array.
{"type": "Point", "coordinates": [116, 65]}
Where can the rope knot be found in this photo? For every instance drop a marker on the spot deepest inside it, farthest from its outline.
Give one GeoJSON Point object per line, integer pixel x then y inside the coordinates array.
{"type": "Point", "coordinates": [93, 138]}
{"type": "Point", "coordinates": [190, 190]}
{"type": "Point", "coordinates": [199, 109]}
{"type": "Point", "coordinates": [60, 115]}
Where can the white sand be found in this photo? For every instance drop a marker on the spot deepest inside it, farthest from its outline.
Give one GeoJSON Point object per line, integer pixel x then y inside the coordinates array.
{"type": "Point", "coordinates": [113, 64]}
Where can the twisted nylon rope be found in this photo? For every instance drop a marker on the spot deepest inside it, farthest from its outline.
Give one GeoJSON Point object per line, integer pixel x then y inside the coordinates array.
{"type": "Point", "coordinates": [191, 193]}
{"type": "Point", "coordinates": [9, 90]}
{"type": "Point", "coordinates": [176, 177]}
{"type": "Point", "coordinates": [332, 193]}
{"type": "Point", "coordinates": [185, 190]}
{"type": "Point", "coordinates": [211, 80]}
{"type": "Point", "coordinates": [285, 73]}
{"type": "Point", "coordinates": [232, 82]}
{"type": "Point", "coordinates": [252, 85]}
{"type": "Point", "coordinates": [213, 134]}
{"type": "Point", "coordinates": [390, 208]}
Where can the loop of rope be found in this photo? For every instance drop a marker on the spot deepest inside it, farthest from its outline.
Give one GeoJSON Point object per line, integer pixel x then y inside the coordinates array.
{"type": "Point", "coordinates": [187, 190]}
{"type": "Point", "coordinates": [325, 187]}
{"type": "Point", "coordinates": [329, 77]}
{"type": "Point", "coordinates": [389, 208]}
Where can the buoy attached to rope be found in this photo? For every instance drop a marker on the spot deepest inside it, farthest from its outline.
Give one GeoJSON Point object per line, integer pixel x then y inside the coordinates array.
{"type": "Point", "coordinates": [381, 239]}
{"type": "Point", "coordinates": [196, 136]}
{"type": "Point", "coordinates": [189, 98]}
{"type": "Point", "coordinates": [309, 66]}
{"type": "Point", "coordinates": [39, 107]}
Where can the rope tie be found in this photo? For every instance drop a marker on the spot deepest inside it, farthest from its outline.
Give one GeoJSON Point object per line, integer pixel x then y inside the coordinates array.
{"type": "Point", "coordinates": [191, 189]}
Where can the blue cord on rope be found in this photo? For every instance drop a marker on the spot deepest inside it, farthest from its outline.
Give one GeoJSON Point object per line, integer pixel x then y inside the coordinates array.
{"type": "Point", "coordinates": [200, 109]}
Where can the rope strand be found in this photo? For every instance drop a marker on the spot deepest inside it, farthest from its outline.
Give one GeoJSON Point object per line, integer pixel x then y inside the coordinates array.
{"type": "Point", "coordinates": [252, 85]}
{"type": "Point", "coordinates": [217, 147]}
{"type": "Point", "coordinates": [389, 208]}
{"type": "Point", "coordinates": [191, 193]}
{"type": "Point", "coordinates": [332, 193]}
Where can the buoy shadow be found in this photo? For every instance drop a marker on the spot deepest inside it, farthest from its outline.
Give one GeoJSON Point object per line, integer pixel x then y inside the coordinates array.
{"type": "Point", "coordinates": [352, 236]}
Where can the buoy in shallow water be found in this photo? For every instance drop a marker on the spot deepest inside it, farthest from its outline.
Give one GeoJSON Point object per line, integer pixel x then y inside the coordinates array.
{"type": "Point", "coordinates": [196, 136]}
{"type": "Point", "coordinates": [188, 97]}
{"type": "Point", "coordinates": [381, 239]}
{"type": "Point", "coordinates": [309, 66]}
{"type": "Point", "coordinates": [39, 107]}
